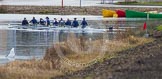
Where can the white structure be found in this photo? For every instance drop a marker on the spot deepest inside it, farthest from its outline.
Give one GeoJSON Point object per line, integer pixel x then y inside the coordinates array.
{"type": "Point", "coordinates": [111, 1]}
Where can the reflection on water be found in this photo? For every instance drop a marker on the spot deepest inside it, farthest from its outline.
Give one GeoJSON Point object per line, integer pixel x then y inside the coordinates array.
{"type": "Point", "coordinates": [28, 43]}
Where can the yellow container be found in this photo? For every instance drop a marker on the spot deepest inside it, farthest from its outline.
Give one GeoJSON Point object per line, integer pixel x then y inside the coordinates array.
{"type": "Point", "coordinates": [108, 13]}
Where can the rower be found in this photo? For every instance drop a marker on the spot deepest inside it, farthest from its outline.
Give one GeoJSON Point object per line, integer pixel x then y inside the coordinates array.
{"type": "Point", "coordinates": [25, 22]}
{"type": "Point", "coordinates": [84, 23]}
{"type": "Point", "coordinates": [75, 23]}
{"type": "Point", "coordinates": [55, 22]}
{"type": "Point", "coordinates": [62, 22]}
{"type": "Point", "coordinates": [34, 21]}
{"type": "Point", "coordinates": [47, 21]}
{"type": "Point", "coordinates": [41, 22]}
{"type": "Point", "coordinates": [68, 23]}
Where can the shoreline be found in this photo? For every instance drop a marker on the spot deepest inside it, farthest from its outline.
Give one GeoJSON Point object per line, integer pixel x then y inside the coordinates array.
{"type": "Point", "coordinates": [67, 10]}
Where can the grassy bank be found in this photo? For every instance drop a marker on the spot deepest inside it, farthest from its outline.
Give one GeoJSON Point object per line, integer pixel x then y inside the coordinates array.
{"type": "Point", "coordinates": [74, 49]}
{"type": "Point", "coordinates": [32, 69]}
{"type": "Point", "coordinates": [141, 62]}
{"type": "Point", "coordinates": [67, 10]}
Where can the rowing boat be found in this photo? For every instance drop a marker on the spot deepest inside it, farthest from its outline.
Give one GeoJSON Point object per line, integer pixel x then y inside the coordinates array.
{"type": "Point", "coordinates": [65, 29]}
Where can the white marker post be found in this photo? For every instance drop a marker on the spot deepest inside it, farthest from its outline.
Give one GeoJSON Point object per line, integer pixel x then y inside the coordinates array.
{"type": "Point", "coordinates": [147, 35]}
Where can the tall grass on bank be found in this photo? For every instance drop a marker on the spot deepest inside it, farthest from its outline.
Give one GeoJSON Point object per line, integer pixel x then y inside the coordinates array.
{"type": "Point", "coordinates": [33, 69]}
{"type": "Point", "coordinates": [74, 51]}
{"type": "Point", "coordinates": [77, 50]}
{"type": "Point", "coordinates": [3, 9]}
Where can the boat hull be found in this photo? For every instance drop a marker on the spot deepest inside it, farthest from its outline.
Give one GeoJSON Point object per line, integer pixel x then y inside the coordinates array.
{"type": "Point", "coordinates": [108, 13]}
{"type": "Point", "coordinates": [120, 13]}
{"type": "Point", "coordinates": [136, 14]}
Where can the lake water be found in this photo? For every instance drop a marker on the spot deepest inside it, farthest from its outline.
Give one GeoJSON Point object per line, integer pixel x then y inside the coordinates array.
{"type": "Point", "coordinates": [51, 2]}
{"type": "Point", "coordinates": [58, 2]}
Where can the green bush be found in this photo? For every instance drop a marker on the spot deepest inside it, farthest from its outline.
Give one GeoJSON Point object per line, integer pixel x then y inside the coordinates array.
{"type": "Point", "coordinates": [159, 28]}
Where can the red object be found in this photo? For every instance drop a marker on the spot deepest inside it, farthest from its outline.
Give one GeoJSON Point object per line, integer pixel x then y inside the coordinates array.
{"type": "Point", "coordinates": [121, 13]}
{"type": "Point", "coordinates": [144, 26]}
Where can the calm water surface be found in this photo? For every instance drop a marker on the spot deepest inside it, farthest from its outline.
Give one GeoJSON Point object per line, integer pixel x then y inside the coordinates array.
{"type": "Point", "coordinates": [51, 2]}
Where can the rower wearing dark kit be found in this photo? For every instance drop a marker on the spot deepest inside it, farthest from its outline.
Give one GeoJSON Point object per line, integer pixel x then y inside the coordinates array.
{"type": "Point", "coordinates": [34, 21]}
{"type": "Point", "coordinates": [47, 21]}
{"type": "Point", "coordinates": [84, 23]}
{"type": "Point", "coordinates": [25, 22]}
{"type": "Point", "coordinates": [75, 23]}
{"type": "Point", "coordinates": [68, 23]}
{"type": "Point", "coordinates": [41, 22]}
